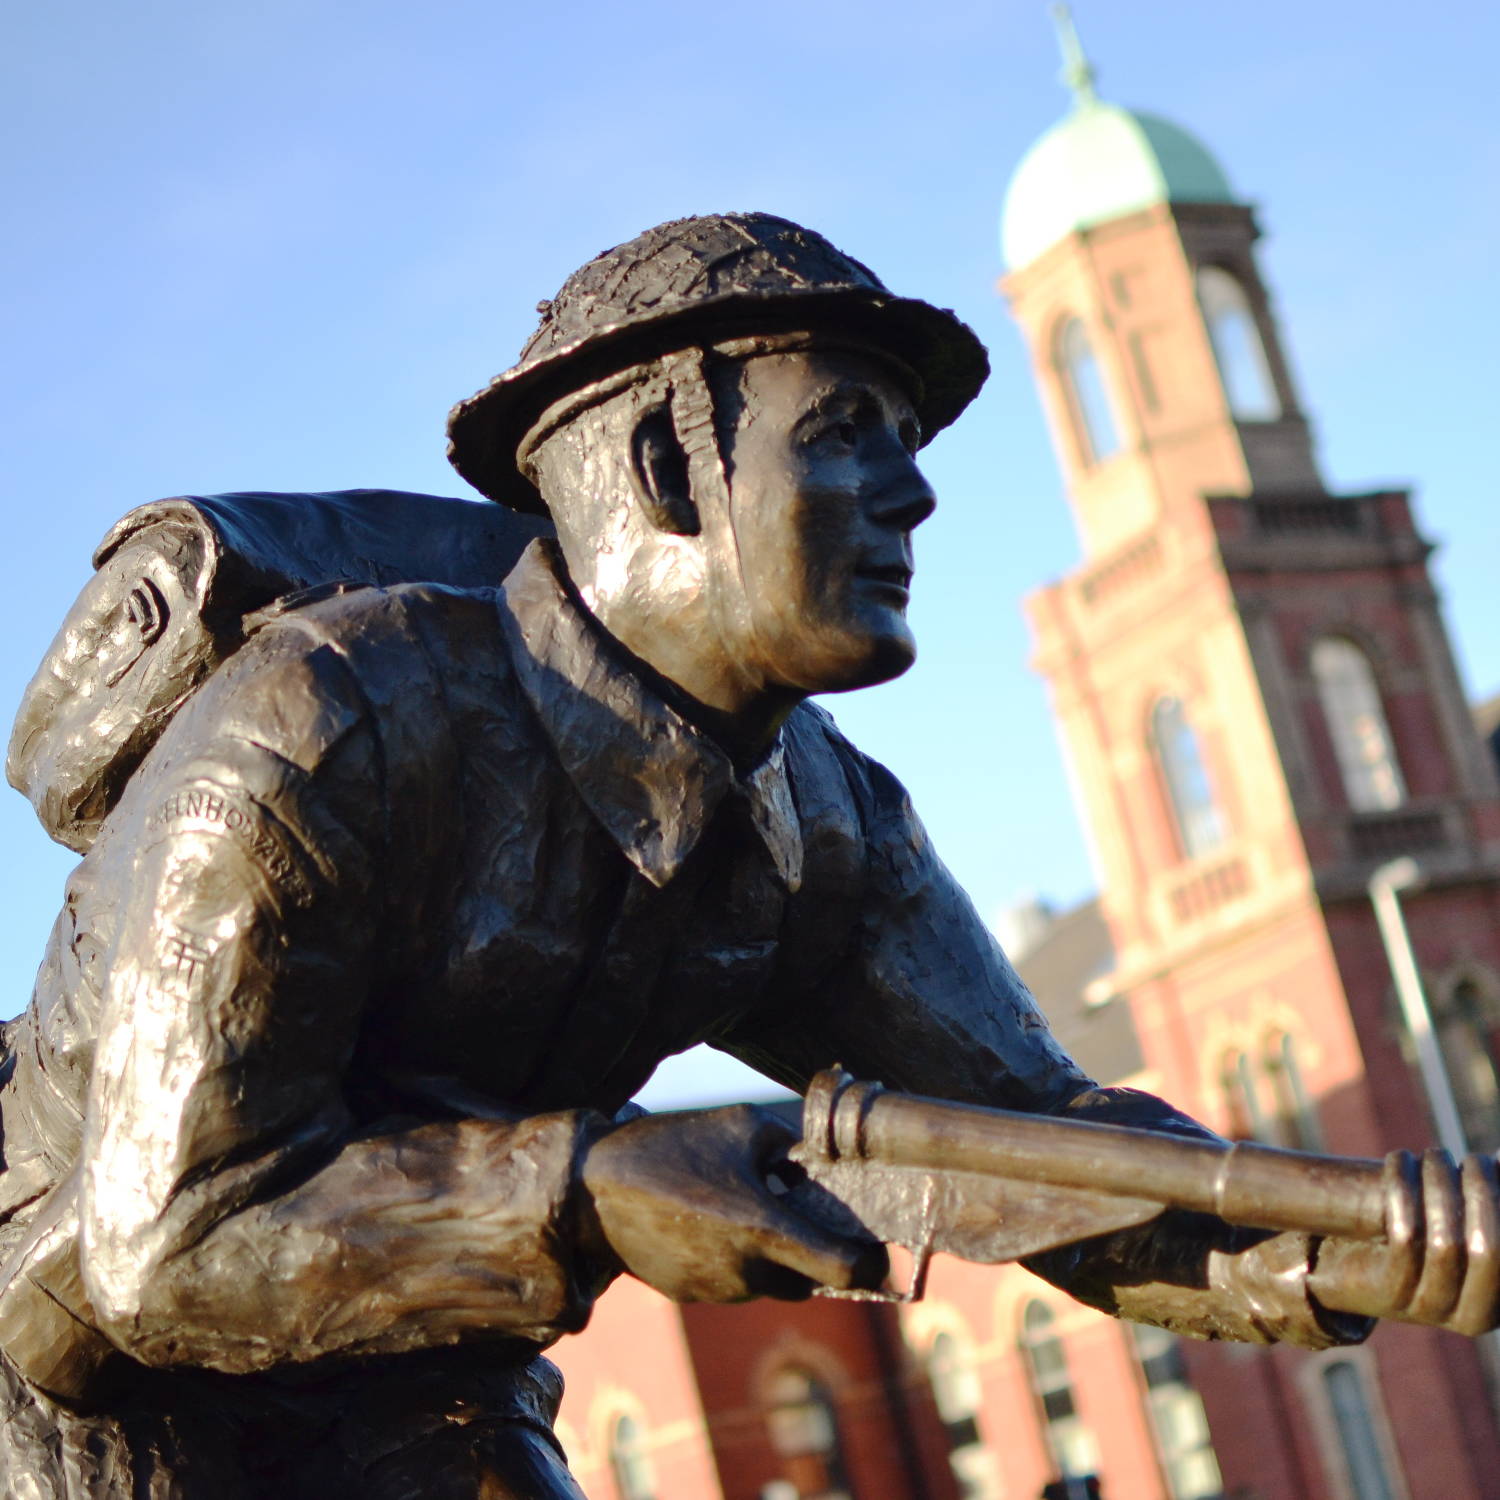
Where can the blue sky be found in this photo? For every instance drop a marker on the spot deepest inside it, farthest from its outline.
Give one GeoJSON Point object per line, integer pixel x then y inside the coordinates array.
{"type": "Point", "coordinates": [267, 247]}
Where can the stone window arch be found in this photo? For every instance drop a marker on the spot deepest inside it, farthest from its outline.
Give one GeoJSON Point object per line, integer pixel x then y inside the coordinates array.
{"type": "Point", "coordinates": [1178, 755]}
{"type": "Point", "coordinates": [1184, 1445]}
{"type": "Point", "coordinates": [1466, 1020]}
{"type": "Point", "coordinates": [802, 1420]}
{"type": "Point", "coordinates": [1359, 1454]}
{"type": "Point", "coordinates": [1244, 369]}
{"type": "Point", "coordinates": [1240, 1084]}
{"type": "Point", "coordinates": [630, 1459]}
{"type": "Point", "coordinates": [1087, 393]}
{"type": "Point", "coordinates": [1295, 1121]}
{"type": "Point", "coordinates": [1352, 709]}
{"type": "Point", "coordinates": [953, 1373]}
{"type": "Point", "coordinates": [1265, 1093]}
{"type": "Point", "coordinates": [1071, 1442]}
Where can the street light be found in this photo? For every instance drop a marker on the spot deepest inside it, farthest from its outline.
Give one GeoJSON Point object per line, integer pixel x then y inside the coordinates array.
{"type": "Point", "coordinates": [1399, 875]}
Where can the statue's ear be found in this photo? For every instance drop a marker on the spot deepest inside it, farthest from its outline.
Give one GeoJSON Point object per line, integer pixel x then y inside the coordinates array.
{"type": "Point", "coordinates": [659, 473]}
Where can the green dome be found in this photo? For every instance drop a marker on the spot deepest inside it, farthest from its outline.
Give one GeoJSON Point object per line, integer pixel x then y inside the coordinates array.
{"type": "Point", "coordinates": [1099, 162]}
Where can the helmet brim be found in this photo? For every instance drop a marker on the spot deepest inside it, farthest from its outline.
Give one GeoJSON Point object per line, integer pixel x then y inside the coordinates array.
{"type": "Point", "coordinates": [946, 355]}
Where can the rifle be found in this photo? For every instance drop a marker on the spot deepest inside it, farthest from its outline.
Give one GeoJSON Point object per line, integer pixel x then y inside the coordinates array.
{"type": "Point", "coordinates": [993, 1185]}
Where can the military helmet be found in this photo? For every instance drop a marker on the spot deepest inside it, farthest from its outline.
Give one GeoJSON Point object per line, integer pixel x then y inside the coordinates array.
{"type": "Point", "coordinates": [731, 275]}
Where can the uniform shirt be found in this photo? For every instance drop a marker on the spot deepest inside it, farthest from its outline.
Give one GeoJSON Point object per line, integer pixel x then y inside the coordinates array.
{"type": "Point", "coordinates": [410, 897]}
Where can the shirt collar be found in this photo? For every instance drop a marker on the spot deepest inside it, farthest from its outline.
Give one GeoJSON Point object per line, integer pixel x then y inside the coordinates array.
{"type": "Point", "coordinates": [648, 775]}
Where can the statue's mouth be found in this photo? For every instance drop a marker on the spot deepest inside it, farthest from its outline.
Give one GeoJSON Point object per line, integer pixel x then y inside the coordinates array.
{"type": "Point", "coordinates": [896, 575]}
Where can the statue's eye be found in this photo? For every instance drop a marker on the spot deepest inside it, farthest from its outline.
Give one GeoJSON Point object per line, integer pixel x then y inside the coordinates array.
{"type": "Point", "coordinates": [841, 427]}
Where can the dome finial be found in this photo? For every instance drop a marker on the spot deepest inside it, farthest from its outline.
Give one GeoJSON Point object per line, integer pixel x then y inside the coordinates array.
{"type": "Point", "coordinates": [1078, 71]}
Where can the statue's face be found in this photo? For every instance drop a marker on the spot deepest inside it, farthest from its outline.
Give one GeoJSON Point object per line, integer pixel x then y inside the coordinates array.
{"type": "Point", "coordinates": [824, 495]}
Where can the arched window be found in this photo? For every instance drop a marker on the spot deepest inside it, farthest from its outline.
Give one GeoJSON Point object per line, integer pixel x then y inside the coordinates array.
{"type": "Point", "coordinates": [1464, 1017]}
{"type": "Point", "coordinates": [1071, 1443]}
{"type": "Point", "coordinates": [1360, 1449]}
{"type": "Point", "coordinates": [957, 1395]}
{"type": "Point", "coordinates": [1266, 1098]}
{"type": "Point", "coordinates": [1357, 725]}
{"type": "Point", "coordinates": [1177, 1418]}
{"type": "Point", "coordinates": [1093, 416]}
{"type": "Point", "coordinates": [629, 1461]}
{"type": "Point", "coordinates": [1238, 1078]}
{"type": "Point", "coordinates": [1240, 355]}
{"type": "Point", "coordinates": [1296, 1121]}
{"type": "Point", "coordinates": [1183, 774]}
{"type": "Point", "coordinates": [804, 1430]}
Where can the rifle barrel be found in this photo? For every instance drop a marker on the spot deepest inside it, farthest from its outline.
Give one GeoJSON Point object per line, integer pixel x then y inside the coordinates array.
{"type": "Point", "coordinates": [1261, 1187]}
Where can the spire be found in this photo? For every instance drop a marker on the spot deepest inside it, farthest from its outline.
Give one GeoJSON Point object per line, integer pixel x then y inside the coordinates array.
{"type": "Point", "coordinates": [1077, 71]}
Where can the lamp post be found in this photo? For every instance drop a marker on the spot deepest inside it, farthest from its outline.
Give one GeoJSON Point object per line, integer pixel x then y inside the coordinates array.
{"type": "Point", "coordinates": [1385, 884]}
{"type": "Point", "coordinates": [1391, 878]}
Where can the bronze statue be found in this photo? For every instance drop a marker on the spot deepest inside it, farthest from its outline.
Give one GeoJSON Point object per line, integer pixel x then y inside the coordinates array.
{"type": "Point", "coordinates": [404, 867]}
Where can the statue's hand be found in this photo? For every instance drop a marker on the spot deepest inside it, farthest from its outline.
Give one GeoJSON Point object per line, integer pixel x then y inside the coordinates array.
{"type": "Point", "coordinates": [1440, 1261]}
{"type": "Point", "coordinates": [683, 1201]}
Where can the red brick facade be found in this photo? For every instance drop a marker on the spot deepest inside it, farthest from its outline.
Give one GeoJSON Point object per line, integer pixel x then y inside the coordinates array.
{"type": "Point", "coordinates": [1215, 562]}
{"type": "Point", "coordinates": [1239, 812]}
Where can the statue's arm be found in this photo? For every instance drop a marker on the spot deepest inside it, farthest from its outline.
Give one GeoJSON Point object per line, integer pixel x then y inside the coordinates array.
{"type": "Point", "coordinates": [927, 1002]}
{"type": "Point", "coordinates": [233, 1214]}
{"type": "Point", "coordinates": [922, 998]}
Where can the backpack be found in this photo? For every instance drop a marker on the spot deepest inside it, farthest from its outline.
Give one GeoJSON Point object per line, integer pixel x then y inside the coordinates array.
{"type": "Point", "coordinates": [176, 587]}
{"type": "Point", "coordinates": [176, 590]}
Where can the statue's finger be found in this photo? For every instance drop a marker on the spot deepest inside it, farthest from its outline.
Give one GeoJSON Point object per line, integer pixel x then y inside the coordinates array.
{"type": "Point", "coordinates": [1476, 1312]}
{"type": "Point", "coordinates": [1403, 1228]}
{"type": "Point", "coordinates": [770, 1137]}
{"type": "Point", "coordinates": [1443, 1249]}
{"type": "Point", "coordinates": [826, 1259]}
{"type": "Point", "coordinates": [764, 1278]}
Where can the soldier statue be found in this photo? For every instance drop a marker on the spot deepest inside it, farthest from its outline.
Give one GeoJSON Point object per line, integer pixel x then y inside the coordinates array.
{"type": "Point", "coordinates": [418, 832]}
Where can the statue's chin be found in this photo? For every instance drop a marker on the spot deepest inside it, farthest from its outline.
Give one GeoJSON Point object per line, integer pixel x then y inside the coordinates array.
{"type": "Point", "coordinates": [885, 657]}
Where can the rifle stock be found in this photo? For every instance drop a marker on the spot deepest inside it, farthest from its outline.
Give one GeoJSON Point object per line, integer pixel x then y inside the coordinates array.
{"type": "Point", "coordinates": [993, 1185]}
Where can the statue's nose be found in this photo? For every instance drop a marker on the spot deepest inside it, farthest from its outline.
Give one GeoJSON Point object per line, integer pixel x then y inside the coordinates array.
{"type": "Point", "coordinates": [905, 499]}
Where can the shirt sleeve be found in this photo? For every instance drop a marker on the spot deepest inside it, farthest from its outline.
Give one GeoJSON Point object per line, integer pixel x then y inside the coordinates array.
{"type": "Point", "coordinates": [925, 1001]}
{"type": "Point", "coordinates": [922, 998]}
{"type": "Point", "coordinates": [234, 1212]}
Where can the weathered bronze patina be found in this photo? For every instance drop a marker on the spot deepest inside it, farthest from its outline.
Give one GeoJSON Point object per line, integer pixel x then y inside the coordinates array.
{"type": "Point", "coordinates": [417, 833]}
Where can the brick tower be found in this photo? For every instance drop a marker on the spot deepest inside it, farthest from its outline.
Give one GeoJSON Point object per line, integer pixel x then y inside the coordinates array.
{"type": "Point", "coordinates": [1260, 704]}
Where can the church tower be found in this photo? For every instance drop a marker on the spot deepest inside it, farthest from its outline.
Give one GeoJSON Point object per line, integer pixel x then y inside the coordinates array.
{"type": "Point", "coordinates": [1258, 698]}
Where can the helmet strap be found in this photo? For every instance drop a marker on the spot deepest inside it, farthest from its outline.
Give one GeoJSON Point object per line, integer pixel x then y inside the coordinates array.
{"type": "Point", "coordinates": [692, 407]}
